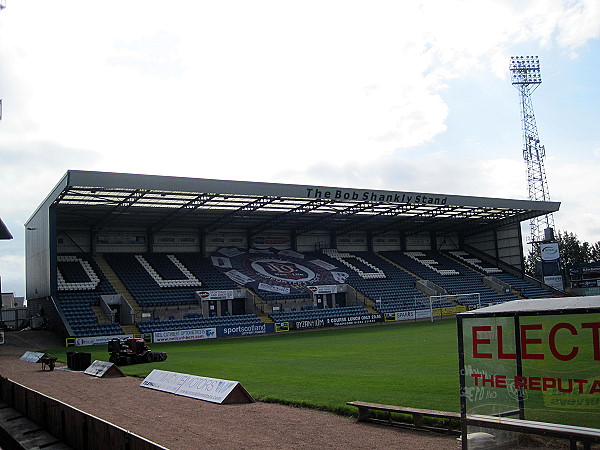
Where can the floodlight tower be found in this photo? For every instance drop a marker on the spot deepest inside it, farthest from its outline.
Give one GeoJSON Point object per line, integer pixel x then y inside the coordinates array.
{"type": "Point", "coordinates": [526, 77]}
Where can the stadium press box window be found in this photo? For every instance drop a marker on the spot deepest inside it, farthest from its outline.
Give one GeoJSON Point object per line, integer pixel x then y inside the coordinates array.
{"type": "Point", "coordinates": [535, 360]}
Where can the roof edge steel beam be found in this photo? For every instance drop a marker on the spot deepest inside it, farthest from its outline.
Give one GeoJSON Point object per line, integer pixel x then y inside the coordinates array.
{"type": "Point", "coordinates": [127, 202]}
{"type": "Point", "coordinates": [289, 215]}
{"type": "Point", "coordinates": [247, 208]}
{"type": "Point", "coordinates": [349, 211]}
{"type": "Point", "coordinates": [432, 224]}
{"type": "Point", "coordinates": [527, 215]}
{"type": "Point", "coordinates": [394, 211]}
{"type": "Point", "coordinates": [181, 212]}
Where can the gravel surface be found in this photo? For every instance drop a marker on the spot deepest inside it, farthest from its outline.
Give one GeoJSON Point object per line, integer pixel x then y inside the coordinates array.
{"type": "Point", "coordinates": [184, 423]}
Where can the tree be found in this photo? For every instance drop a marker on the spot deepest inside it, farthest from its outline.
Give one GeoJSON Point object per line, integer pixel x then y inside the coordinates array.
{"type": "Point", "coordinates": [595, 252]}
{"type": "Point", "coordinates": [572, 251]}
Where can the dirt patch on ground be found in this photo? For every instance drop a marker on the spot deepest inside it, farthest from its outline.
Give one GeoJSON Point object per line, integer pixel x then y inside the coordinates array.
{"type": "Point", "coordinates": [183, 423]}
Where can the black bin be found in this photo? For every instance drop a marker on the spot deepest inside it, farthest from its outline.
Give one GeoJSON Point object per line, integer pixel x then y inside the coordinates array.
{"type": "Point", "coordinates": [81, 361]}
{"type": "Point", "coordinates": [70, 360]}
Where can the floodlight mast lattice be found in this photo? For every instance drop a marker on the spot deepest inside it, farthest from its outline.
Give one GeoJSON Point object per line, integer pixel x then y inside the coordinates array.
{"type": "Point", "coordinates": [526, 77]}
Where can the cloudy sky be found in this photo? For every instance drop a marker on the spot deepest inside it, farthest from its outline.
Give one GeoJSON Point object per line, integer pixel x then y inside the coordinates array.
{"type": "Point", "coordinates": [410, 95]}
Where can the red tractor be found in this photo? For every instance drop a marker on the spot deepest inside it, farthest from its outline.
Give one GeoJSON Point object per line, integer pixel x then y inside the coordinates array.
{"type": "Point", "coordinates": [132, 350]}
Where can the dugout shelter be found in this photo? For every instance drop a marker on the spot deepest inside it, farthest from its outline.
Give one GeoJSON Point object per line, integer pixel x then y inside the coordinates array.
{"type": "Point", "coordinates": [530, 367]}
{"type": "Point", "coordinates": [98, 213]}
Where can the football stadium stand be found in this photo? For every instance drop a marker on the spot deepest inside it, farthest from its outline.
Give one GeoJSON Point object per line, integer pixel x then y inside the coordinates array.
{"type": "Point", "coordinates": [118, 254]}
{"type": "Point", "coordinates": [154, 279]}
{"type": "Point", "coordinates": [388, 285]}
{"type": "Point", "coordinates": [80, 287]}
{"type": "Point", "coordinates": [166, 286]}
{"type": "Point", "coordinates": [448, 274]}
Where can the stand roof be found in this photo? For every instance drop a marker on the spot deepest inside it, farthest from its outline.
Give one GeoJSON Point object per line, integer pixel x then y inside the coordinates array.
{"type": "Point", "coordinates": [99, 199]}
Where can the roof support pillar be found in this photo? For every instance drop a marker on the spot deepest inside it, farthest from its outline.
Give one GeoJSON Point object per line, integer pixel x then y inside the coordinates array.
{"type": "Point", "coordinates": [496, 250]}
{"type": "Point", "coordinates": [521, 252]}
{"type": "Point", "coordinates": [202, 242]}
{"type": "Point", "coordinates": [149, 240]}
{"type": "Point", "coordinates": [294, 240]}
{"type": "Point", "coordinates": [93, 235]}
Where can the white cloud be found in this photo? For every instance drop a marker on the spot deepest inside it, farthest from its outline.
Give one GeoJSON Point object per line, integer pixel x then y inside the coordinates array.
{"type": "Point", "coordinates": [432, 173]}
{"type": "Point", "coordinates": [13, 272]}
{"type": "Point", "coordinates": [573, 183]}
{"type": "Point", "coordinates": [578, 24]}
{"type": "Point", "coordinates": [348, 79]}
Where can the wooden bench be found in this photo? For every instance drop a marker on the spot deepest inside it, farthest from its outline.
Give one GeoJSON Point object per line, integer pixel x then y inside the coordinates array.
{"type": "Point", "coordinates": [572, 433]}
{"type": "Point", "coordinates": [417, 414]}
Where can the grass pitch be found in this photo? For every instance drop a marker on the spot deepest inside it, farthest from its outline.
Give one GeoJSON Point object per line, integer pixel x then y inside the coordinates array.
{"type": "Point", "coordinates": [409, 364]}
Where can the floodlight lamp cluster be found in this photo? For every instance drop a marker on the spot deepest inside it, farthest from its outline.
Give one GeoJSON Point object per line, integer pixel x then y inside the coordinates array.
{"type": "Point", "coordinates": [525, 70]}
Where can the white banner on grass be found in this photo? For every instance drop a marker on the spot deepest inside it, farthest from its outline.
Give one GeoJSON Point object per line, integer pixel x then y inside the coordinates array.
{"type": "Point", "coordinates": [32, 356]}
{"type": "Point", "coordinates": [100, 368]}
{"type": "Point", "coordinates": [202, 388]}
{"type": "Point", "coordinates": [184, 335]}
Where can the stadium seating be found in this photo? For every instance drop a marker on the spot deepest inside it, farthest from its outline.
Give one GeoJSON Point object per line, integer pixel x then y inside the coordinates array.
{"type": "Point", "coordinates": [80, 285]}
{"type": "Point", "coordinates": [475, 262]}
{"type": "Point", "coordinates": [170, 281]}
{"type": "Point", "coordinates": [392, 288]}
{"type": "Point", "coordinates": [75, 274]}
{"type": "Point", "coordinates": [454, 277]}
{"type": "Point", "coordinates": [525, 288]}
{"type": "Point", "coordinates": [160, 280]}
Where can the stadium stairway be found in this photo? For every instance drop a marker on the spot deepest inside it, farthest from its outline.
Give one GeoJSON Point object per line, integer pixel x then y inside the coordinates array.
{"type": "Point", "coordinates": [118, 286]}
{"type": "Point", "coordinates": [261, 306]}
{"type": "Point", "coordinates": [264, 318]}
{"type": "Point", "coordinates": [131, 329]}
{"type": "Point", "coordinates": [371, 310]}
{"type": "Point", "coordinates": [100, 315]}
{"type": "Point", "coordinates": [368, 303]}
